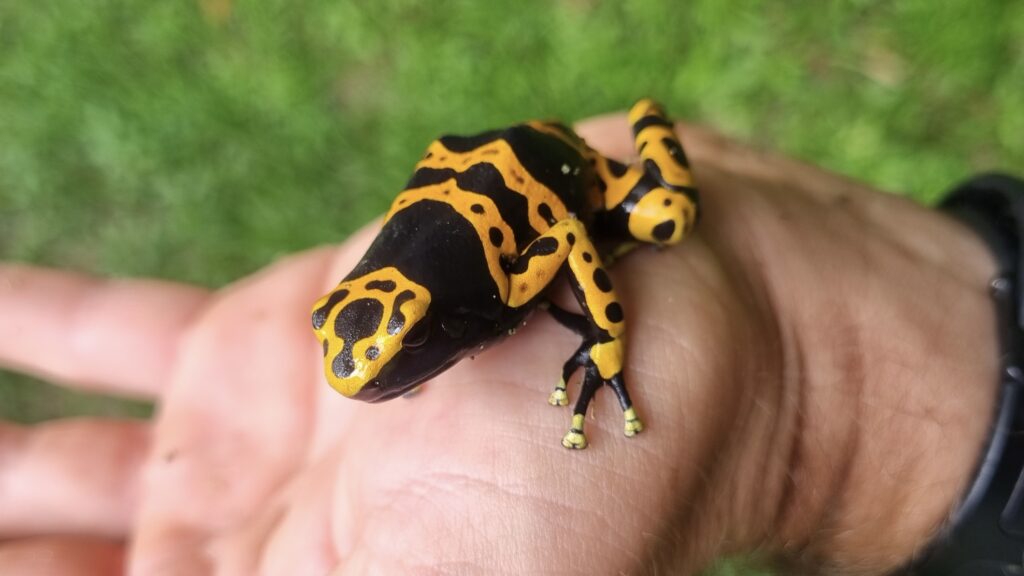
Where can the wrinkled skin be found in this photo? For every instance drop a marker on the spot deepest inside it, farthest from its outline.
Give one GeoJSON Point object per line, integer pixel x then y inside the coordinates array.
{"type": "Point", "coordinates": [765, 336]}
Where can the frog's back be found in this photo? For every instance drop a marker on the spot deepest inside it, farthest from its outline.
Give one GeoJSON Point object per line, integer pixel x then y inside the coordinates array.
{"type": "Point", "coordinates": [522, 179]}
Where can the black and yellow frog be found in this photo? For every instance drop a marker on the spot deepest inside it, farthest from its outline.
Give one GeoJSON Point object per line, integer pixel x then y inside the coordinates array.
{"type": "Point", "coordinates": [482, 229]}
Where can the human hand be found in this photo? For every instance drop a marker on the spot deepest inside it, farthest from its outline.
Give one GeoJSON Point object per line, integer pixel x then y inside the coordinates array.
{"type": "Point", "coordinates": [811, 366]}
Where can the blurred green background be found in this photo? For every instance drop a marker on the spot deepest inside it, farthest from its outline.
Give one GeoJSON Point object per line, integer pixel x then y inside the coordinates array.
{"type": "Point", "coordinates": [200, 140]}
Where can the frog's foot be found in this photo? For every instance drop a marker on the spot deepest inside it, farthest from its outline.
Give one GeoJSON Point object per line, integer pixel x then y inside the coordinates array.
{"type": "Point", "coordinates": [559, 397]}
{"type": "Point", "coordinates": [413, 392]}
{"type": "Point", "coordinates": [574, 439]}
{"type": "Point", "coordinates": [633, 424]}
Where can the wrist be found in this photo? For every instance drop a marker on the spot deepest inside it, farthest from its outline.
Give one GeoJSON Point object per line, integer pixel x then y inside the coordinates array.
{"type": "Point", "coordinates": [889, 354]}
{"type": "Point", "coordinates": [929, 401]}
{"type": "Point", "coordinates": [904, 383]}
{"type": "Point", "coordinates": [871, 371]}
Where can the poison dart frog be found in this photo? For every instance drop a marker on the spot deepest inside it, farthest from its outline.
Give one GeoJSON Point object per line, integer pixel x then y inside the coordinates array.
{"type": "Point", "coordinates": [480, 232]}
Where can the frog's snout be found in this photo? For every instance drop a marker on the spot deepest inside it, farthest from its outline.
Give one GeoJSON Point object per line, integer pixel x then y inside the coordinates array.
{"type": "Point", "coordinates": [370, 392]}
{"type": "Point", "coordinates": [361, 324]}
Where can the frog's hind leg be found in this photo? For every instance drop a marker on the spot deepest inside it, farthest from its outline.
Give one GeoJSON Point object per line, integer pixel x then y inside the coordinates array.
{"type": "Point", "coordinates": [567, 246]}
{"type": "Point", "coordinates": [653, 200]}
{"type": "Point", "coordinates": [667, 210]}
{"type": "Point", "coordinates": [655, 140]}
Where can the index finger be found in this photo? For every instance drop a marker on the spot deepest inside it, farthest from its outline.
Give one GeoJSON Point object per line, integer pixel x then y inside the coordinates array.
{"type": "Point", "coordinates": [108, 335]}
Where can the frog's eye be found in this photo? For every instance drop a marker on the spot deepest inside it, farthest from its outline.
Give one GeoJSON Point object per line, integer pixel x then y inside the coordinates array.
{"type": "Point", "coordinates": [417, 335]}
{"type": "Point", "coordinates": [454, 326]}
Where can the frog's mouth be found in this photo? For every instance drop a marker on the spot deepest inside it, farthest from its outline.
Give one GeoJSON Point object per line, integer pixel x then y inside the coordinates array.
{"type": "Point", "coordinates": [376, 391]}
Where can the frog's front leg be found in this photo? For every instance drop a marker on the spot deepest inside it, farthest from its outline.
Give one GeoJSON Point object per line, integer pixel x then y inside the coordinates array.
{"type": "Point", "coordinates": [567, 245]}
{"type": "Point", "coordinates": [578, 324]}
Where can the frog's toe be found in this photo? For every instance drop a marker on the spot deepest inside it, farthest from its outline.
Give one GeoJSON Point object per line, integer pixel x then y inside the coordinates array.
{"type": "Point", "coordinates": [574, 439]}
{"type": "Point", "coordinates": [633, 424]}
{"type": "Point", "coordinates": [559, 397]}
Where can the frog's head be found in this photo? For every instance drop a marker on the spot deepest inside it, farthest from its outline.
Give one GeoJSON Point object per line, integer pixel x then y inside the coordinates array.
{"type": "Point", "coordinates": [381, 337]}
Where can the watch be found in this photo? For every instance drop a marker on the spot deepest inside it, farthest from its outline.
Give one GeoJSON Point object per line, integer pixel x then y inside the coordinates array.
{"type": "Point", "coordinates": [985, 536]}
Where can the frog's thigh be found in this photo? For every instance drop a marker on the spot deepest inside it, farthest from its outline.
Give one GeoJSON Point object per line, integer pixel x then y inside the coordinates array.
{"type": "Point", "coordinates": [655, 139]}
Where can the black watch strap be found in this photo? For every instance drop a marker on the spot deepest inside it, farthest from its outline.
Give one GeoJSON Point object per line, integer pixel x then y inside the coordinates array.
{"type": "Point", "coordinates": [986, 535]}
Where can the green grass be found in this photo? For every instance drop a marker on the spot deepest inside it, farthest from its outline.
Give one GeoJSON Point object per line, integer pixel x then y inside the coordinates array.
{"type": "Point", "coordinates": [158, 140]}
{"type": "Point", "coordinates": [201, 141]}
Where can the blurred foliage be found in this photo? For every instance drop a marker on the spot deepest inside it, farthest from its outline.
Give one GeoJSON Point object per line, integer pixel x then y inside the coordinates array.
{"type": "Point", "coordinates": [199, 141]}
{"type": "Point", "coordinates": [739, 567]}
